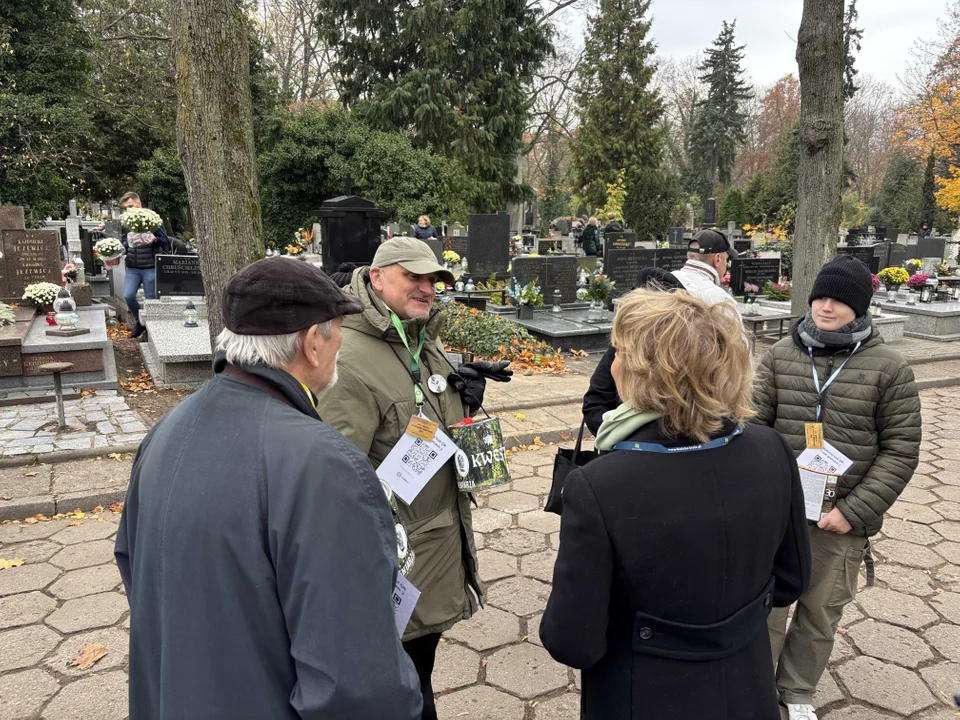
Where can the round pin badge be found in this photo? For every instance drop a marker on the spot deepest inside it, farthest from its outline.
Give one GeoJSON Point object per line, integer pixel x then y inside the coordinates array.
{"type": "Point", "coordinates": [437, 384]}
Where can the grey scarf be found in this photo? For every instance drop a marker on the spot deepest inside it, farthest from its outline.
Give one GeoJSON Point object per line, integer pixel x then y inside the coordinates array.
{"type": "Point", "coordinates": [850, 334]}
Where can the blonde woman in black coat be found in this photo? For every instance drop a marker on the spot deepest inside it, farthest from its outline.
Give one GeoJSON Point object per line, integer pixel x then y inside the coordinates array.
{"type": "Point", "coordinates": [676, 544]}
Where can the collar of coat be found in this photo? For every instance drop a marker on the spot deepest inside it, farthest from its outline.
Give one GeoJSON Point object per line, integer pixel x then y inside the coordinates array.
{"type": "Point", "coordinates": [653, 432]}
{"type": "Point", "coordinates": [375, 318]}
{"type": "Point", "coordinates": [280, 379]}
{"type": "Point", "coordinates": [874, 339]}
{"type": "Point", "coordinates": [703, 268]}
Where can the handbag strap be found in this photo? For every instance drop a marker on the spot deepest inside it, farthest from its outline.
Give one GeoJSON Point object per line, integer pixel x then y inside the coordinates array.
{"type": "Point", "coordinates": [576, 448]}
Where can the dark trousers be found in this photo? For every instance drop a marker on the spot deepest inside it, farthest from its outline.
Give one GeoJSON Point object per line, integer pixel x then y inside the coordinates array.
{"type": "Point", "coordinates": [423, 652]}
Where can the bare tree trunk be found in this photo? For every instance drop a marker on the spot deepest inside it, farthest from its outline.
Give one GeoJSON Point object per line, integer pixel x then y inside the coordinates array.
{"type": "Point", "coordinates": [820, 55]}
{"type": "Point", "coordinates": [215, 139]}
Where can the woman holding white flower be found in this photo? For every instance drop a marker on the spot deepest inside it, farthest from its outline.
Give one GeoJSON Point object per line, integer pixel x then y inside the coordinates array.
{"type": "Point", "coordinates": [143, 238]}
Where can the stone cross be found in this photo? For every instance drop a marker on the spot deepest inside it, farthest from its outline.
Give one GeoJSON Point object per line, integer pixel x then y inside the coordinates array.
{"type": "Point", "coordinates": [73, 208]}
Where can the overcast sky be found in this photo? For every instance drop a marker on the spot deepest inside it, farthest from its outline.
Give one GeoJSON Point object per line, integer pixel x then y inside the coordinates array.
{"type": "Point", "coordinates": [769, 30]}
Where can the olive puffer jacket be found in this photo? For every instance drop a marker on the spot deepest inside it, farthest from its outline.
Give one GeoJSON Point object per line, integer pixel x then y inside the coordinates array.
{"type": "Point", "coordinates": [871, 413]}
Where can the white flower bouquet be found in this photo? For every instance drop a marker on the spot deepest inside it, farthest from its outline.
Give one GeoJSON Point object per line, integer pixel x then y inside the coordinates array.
{"type": "Point", "coordinates": [140, 220]}
{"type": "Point", "coordinates": [109, 248]}
{"type": "Point", "coordinates": [41, 294]}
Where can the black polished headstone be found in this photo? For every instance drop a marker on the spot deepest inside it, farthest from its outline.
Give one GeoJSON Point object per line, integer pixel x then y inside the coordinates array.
{"type": "Point", "coordinates": [742, 246]}
{"type": "Point", "coordinates": [932, 247]}
{"type": "Point", "coordinates": [755, 271]}
{"type": "Point", "coordinates": [488, 244]}
{"type": "Point", "coordinates": [437, 247]}
{"type": "Point", "coordinates": [863, 253]}
{"type": "Point", "coordinates": [618, 241]}
{"type": "Point", "coordinates": [86, 252]}
{"type": "Point", "coordinates": [675, 234]}
{"type": "Point", "coordinates": [710, 213]}
{"type": "Point", "coordinates": [550, 273]}
{"type": "Point", "coordinates": [459, 245]}
{"type": "Point", "coordinates": [350, 231]}
{"type": "Point", "coordinates": [622, 265]}
{"type": "Point", "coordinates": [897, 255]}
{"type": "Point", "coordinates": [179, 275]}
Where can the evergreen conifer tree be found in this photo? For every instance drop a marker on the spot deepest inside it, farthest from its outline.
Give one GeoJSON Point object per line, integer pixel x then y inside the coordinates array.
{"type": "Point", "coordinates": [621, 110]}
{"type": "Point", "coordinates": [718, 127]}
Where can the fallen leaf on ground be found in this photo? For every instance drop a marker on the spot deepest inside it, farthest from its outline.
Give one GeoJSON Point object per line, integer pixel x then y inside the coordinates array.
{"type": "Point", "coordinates": [31, 474]}
{"type": "Point", "coordinates": [88, 656]}
{"type": "Point", "coordinates": [116, 507]}
{"type": "Point", "coordinates": [74, 523]}
{"type": "Point", "coordinates": [520, 416]}
{"type": "Point", "coordinates": [7, 564]}
{"type": "Point", "coordinates": [841, 631]}
{"type": "Point", "coordinates": [115, 456]}
{"type": "Point", "coordinates": [87, 392]}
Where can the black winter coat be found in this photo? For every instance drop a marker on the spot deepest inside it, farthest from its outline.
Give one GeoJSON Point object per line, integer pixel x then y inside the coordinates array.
{"type": "Point", "coordinates": [424, 233]}
{"type": "Point", "coordinates": [591, 240]}
{"type": "Point", "coordinates": [143, 257]}
{"type": "Point", "coordinates": [602, 395]}
{"type": "Point", "coordinates": [690, 538]}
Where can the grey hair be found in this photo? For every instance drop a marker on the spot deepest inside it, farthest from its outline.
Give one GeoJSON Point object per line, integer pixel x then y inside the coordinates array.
{"type": "Point", "coordinates": [278, 351]}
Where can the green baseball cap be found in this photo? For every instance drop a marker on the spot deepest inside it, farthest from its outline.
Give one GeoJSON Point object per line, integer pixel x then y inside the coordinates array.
{"type": "Point", "coordinates": [413, 256]}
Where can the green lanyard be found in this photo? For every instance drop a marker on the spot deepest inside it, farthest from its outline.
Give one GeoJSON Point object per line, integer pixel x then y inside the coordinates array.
{"type": "Point", "coordinates": [414, 356]}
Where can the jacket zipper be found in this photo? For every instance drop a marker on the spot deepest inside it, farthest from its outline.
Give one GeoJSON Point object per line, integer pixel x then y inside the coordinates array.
{"type": "Point", "coordinates": [823, 397]}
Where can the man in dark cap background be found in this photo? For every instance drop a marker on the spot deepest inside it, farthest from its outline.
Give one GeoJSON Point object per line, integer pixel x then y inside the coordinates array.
{"type": "Point", "coordinates": [707, 256]}
{"type": "Point", "coordinates": [256, 546]}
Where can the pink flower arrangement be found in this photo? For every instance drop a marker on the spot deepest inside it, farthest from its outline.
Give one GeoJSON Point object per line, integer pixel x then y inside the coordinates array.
{"type": "Point", "coordinates": [917, 281]}
{"type": "Point", "coordinates": [876, 282]}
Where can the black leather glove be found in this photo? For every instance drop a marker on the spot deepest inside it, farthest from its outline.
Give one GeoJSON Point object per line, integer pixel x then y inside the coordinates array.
{"type": "Point", "coordinates": [471, 380]}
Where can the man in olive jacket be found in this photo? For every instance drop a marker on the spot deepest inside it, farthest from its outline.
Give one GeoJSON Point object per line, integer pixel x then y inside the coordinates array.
{"type": "Point", "coordinates": [870, 412]}
{"type": "Point", "coordinates": [372, 405]}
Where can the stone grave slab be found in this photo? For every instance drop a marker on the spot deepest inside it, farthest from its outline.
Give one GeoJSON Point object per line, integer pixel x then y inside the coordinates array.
{"type": "Point", "coordinates": [864, 253]}
{"type": "Point", "coordinates": [179, 275]}
{"type": "Point", "coordinates": [550, 273]}
{"type": "Point", "coordinates": [30, 256]}
{"type": "Point", "coordinates": [675, 234]}
{"type": "Point", "coordinates": [622, 267]}
{"type": "Point", "coordinates": [458, 243]}
{"type": "Point", "coordinates": [569, 330]}
{"type": "Point", "coordinates": [742, 246]}
{"type": "Point", "coordinates": [710, 213]}
{"type": "Point", "coordinates": [488, 244]}
{"type": "Point", "coordinates": [82, 360]}
{"type": "Point", "coordinates": [10, 363]}
{"type": "Point", "coordinates": [12, 218]}
{"type": "Point", "coordinates": [618, 241]}
{"type": "Point", "coordinates": [437, 247]}
{"type": "Point", "coordinates": [755, 271]}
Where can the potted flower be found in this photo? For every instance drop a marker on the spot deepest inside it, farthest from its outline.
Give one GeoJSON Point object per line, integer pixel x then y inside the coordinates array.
{"type": "Point", "coordinates": [875, 281]}
{"type": "Point", "coordinates": [109, 250]}
{"type": "Point", "coordinates": [599, 292]}
{"type": "Point", "coordinates": [781, 291]}
{"type": "Point", "coordinates": [69, 273]}
{"type": "Point", "coordinates": [917, 281]}
{"type": "Point", "coordinates": [913, 266]}
{"type": "Point", "coordinates": [527, 298]}
{"type": "Point", "coordinates": [750, 292]}
{"type": "Point", "coordinates": [893, 277]}
{"type": "Point", "coordinates": [450, 258]}
{"type": "Point", "coordinates": [41, 295]}
{"type": "Point", "coordinates": [140, 220]}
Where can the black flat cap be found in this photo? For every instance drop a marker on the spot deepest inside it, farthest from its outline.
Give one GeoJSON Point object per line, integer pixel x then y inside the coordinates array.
{"type": "Point", "coordinates": [279, 295]}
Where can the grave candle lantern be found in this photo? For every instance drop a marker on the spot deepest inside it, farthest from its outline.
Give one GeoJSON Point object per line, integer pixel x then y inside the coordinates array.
{"type": "Point", "coordinates": [190, 315]}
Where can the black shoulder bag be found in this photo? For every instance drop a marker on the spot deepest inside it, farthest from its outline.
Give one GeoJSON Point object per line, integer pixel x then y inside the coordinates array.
{"type": "Point", "coordinates": [566, 462]}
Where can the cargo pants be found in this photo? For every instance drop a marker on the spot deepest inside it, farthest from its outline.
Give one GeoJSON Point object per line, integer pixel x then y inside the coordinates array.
{"type": "Point", "coordinates": [801, 653]}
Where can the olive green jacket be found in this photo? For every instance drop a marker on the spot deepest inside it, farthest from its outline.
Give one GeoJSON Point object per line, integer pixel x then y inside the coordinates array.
{"type": "Point", "coordinates": [871, 413]}
{"type": "Point", "coordinates": [371, 405]}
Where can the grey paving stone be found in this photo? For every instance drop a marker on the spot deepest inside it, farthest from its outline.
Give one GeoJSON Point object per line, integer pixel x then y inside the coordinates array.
{"type": "Point", "coordinates": [950, 551]}
{"type": "Point", "coordinates": [106, 428]}
{"type": "Point", "coordinates": [25, 609]}
{"type": "Point", "coordinates": [525, 670]}
{"type": "Point", "coordinates": [520, 596]}
{"type": "Point", "coordinates": [896, 608]}
{"type": "Point", "coordinates": [942, 679]}
{"type": "Point", "coordinates": [487, 629]}
{"type": "Point", "coordinates": [16, 533]}
{"type": "Point", "coordinates": [910, 531]}
{"type": "Point", "coordinates": [133, 427]}
{"type": "Point", "coordinates": [827, 691]}
{"type": "Point", "coordinates": [30, 424]}
{"type": "Point", "coordinates": [915, 513]}
{"type": "Point", "coordinates": [486, 520]}
{"type": "Point", "coordinates": [88, 612]}
{"type": "Point", "coordinates": [22, 694]}
{"type": "Point", "coordinates": [945, 639]}
{"type": "Point", "coordinates": [886, 686]}
{"type": "Point", "coordinates": [949, 577]}
{"type": "Point", "coordinates": [949, 510]}
{"type": "Point", "coordinates": [533, 485]}
{"type": "Point", "coordinates": [495, 565]}
{"type": "Point", "coordinates": [564, 707]}
{"type": "Point", "coordinates": [514, 502]}
{"type": "Point", "coordinates": [85, 554]}
{"type": "Point", "coordinates": [947, 492]}
{"type": "Point", "coordinates": [904, 579]}
{"type": "Point", "coordinates": [36, 551]}
{"type": "Point", "coordinates": [14, 451]}
{"type": "Point", "coordinates": [457, 666]}
{"type": "Point", "coordinates": [539, 565]}
{"type": "Point", "coordinates": [853, 712]}
{"type": "Point", "coordinates": [115, 640]}
{"type": "Point", "coordinates": [128, 438]}
{"type": "Point", "coordinates": [480, 541]}
{"type": "Point", "coordinates": [948, 529]}
{"type": "Point", "coordinates": [912, 494]}
{"type": "Point", "coordinates": [100, 696]}
{"type": "Point", "coordinates": [907, 553]}
{"type": "Point", "coordinates": [890, 643]}
{"type": "Point", "coordinates": [948, 605]}
{"type": "Point", "coordinates": [96, 416]}
{"type": "Point", "coordinates": [480, 702]}
{"type": "Point", "coordinates": [516, 541]}
{"type": "Point", "coordinates": [851, 614]}
{"type": "Point", "coordinates": [25, 481]}
{"type": "Point", "coordinates": [26, 646]}
{"type": "Point", "coordinates": [86, 581]}
{"type": "Point", "coordinates": [26, 578]}
{"type": "Point", "coordinates": [89, 529]}
{"type": "Point", "coordinates": [40, 449]}
{"type": "Point", "coordinates": [539, 521]}
{"type": "Point", "coordinates": [842, 651]}
{"type": "Point", "coordinates": [533, 629]}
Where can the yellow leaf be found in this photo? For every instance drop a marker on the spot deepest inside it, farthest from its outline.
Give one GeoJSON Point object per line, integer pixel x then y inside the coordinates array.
{"type": "Point", "coordinates": [7, 564]}
{"type": "Point", "coordinates": [520, 416]}
{"type": "Point", "coordinates": [89, 655]}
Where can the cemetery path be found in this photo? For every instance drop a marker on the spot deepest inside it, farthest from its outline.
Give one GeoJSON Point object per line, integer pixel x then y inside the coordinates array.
{"type": "Point", "coordinates": [137, 388]}
{"type": "Point", "coordinates": [897, 653]}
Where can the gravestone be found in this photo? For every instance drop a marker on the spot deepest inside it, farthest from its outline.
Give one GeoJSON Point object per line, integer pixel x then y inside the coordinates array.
{"type": "Point", "coordinates": [675, 234]}
{"type": "Point", "coordinates": [29, 256]}
{"type": "Point", "coordinates": [72, 226]}
{"type": "Point", "coordinates": [179, 275]}
{"type": "Point", "coordinates": [12, 218]}
{"type": "Point", "coordinates": [488, 244]}
{"type": "Point", "coordinates": [892, 233]}
{"type": "Point", "coordinates": [755, 271]}
{"type": "Point", "coordinates": [622, 265]}
{"type": "Point", "coordinates": [459, 245]}
{"type": "Point", "coordinates": [437, 247]}
{"type": "Point", "coordinates": [351, 231]}
{"type": "Point", "coordinates": [863, 253]}
{"type": "Point", "coordinates": [742, 246]}
{"type": "Point", "coordinates": [458, 230]}
{"type": "Point", "coordinates": [618, 241]}
{"type": "Point", "coordinates": [550, 273]}
{"type": "Point", "coordinates": [931, 247]}
{"type": "Point", "coordinates": [897, 256]}
{"type": "Point", "coordinates": [563, 227]}
{"type": "Point", "coordinates": [710, 213]}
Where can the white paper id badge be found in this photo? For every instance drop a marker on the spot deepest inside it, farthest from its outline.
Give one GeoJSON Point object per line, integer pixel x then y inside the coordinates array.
{"type": "Point", "coordinates": [405, 597]}
{"type": "Point", "coordinates": [826, 460]}
{"type": "Point", "coordinates": [412, 462]}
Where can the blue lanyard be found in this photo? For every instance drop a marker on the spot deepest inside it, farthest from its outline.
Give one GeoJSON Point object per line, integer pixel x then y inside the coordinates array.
{"type": "Point", "coordinates": [816, 377]}
{"type": "Point", "coordinates": [658, 448]}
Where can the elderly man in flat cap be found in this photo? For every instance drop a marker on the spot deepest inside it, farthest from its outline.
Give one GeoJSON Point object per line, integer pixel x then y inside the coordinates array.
{"type": "Point", "coordinates": [256, 546]}
{"type": "Point", "coordinates": [393, 368]}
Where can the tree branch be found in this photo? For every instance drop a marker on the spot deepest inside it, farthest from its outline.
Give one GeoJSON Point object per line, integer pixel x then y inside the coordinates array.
{"type": "Point", "coordinates": [149, 38]}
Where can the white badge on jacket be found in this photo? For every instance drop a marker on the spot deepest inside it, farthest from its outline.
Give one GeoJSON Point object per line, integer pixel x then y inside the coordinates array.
{"type": "Point", "coordinates": [437, 384]}
{"type": "Point", "coordinates": [414, 460]}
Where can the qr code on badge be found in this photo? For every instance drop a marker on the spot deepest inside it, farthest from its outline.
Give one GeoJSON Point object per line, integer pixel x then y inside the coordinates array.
{"type": "Point", "coordinates": [396, 599]}
{"type": "Point", "coordinates": [818, 463]}
{"type": "Point", "coordinates": [418, 456]}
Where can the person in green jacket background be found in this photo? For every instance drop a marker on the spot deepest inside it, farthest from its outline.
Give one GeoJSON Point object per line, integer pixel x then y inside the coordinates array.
{"type": "Point", "coordinates": [865, 402]}
{"type": "Point", "coordinates": [591, 237]}
{"type": "Point", "coordinates": [372, 404]}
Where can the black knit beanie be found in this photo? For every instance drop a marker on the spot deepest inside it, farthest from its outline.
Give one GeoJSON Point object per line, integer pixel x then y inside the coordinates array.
{"type": "Point", "coordinates": [344, 274]}
{"type": "Point", "coordinates": [847, 280]}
